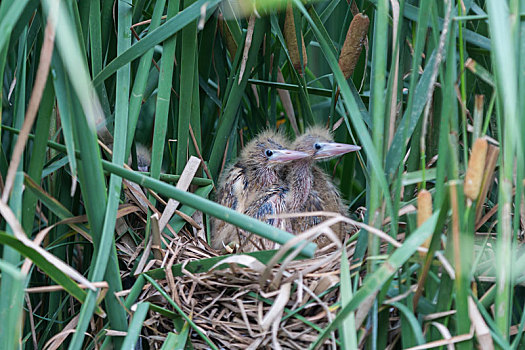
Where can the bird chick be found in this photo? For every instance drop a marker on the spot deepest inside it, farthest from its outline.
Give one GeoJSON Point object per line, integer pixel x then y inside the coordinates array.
{"type": "Point", "coordinates": [311, 189]}
{"type": "Point", "coordinates": [256, 171]}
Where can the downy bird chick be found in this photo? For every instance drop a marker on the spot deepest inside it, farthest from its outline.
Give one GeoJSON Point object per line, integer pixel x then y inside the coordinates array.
{"type": "Point", "coordinates": [311, 189]}
{"type": "Point", "coordinates": [255, 171]}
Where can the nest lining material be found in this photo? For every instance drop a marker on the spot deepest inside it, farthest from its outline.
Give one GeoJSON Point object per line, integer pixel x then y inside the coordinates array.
{"type": "Point", "coordinates": [245, 304]}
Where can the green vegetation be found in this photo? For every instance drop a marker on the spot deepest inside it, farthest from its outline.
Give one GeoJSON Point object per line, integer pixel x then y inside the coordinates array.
{"type": "Point", "coordinates": [89, 84]}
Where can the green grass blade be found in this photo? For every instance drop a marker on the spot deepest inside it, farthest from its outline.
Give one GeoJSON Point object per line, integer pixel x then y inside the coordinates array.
{"type": "Point", "coordinates": [9, 254]}
{"type": "Point", "coordinates": [173, 341]}
{"type": "Point", "coordinates": [377, 110]}
{"type": "Point", "coordinates": [228, 116]}
{"type": "Point", "coordinates": [96, 51]}
{"type": "Point", "coordinates": [187, 75]}
{"type": "Point", "coordinates": [410, 318]}
{"type": "Point", "coordinates": [160, 34]}
{"type": "Point", "coordinates": [12, 316]}
{"type": "Point", "coordinates": [54, 205]}
{"type": "Point", "coordinates": [36, 162]}
{"type": "Point", "coordinates": [49, 268]}
{"type": "Point", "coordinates": [107, 249]}
{"type": "Point", "coordinates": [163, 95]}
{"type": "Point", "coordinates": [75, 63]}
{"type": "Point", "coordinates": [176, 222]}
{"type": "Point", "coordinates": [412, 12]}
{"type": "Point", "coordinates": [64, 100]}
{"type": "Point", "coordinates": [506, 73]}
{"type": "Point", "coordinates": [376, 280]}
{"type": "Point", "coordinates": [9, 19]}
{"type": "Point", "coordinates": [141, 78]}
{"type": "Point", "coordinates": [347, 329]}
{"type": "Point", "coordinates": [135, 326]}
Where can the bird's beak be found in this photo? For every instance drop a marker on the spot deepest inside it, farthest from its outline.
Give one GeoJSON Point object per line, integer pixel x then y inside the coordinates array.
{"type": "Point", "coordinates": [334, 149]}
{"type": "Point", "coordinates": [284, 155]}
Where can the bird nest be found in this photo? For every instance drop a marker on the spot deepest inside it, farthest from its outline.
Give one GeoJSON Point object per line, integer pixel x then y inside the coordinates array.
{"type": "Point", "coordinates": [263, 299]}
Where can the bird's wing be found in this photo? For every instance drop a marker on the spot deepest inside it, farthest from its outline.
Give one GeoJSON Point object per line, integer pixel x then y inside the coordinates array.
{"type": "Point", "coordinates": [267, 203]}
{"type": "Point", "coordinates": [232, 187]}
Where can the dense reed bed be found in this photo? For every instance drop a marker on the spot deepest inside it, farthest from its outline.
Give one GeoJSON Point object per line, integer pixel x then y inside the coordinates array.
{"type": "Point", "coordinates": [96, 253]}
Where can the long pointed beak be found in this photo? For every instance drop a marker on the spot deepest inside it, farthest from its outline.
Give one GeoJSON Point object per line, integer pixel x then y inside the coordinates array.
{"type": "Point", "coordinates": [333, 149]}
{"type": "Point", "coordinates": [284, 155]}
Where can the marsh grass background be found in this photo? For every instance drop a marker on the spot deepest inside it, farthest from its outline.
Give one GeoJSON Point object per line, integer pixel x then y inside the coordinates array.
{"type": "Point", "coordinates": [201, 78]}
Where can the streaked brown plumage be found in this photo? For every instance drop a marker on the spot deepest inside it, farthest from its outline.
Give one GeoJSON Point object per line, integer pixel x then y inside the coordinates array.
{"type": "Point", "coordinates": [265, 202]}
{"type": "Point", "coordinates": [311, 189]}
{"type": "Point", "coordinates": [245, 182]}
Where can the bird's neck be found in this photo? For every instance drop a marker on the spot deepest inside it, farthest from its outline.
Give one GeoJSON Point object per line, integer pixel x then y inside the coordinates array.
{"type": "Point", "coordinates": [300, 181]}
{"type": "Point", "coordinates": [264, 177]}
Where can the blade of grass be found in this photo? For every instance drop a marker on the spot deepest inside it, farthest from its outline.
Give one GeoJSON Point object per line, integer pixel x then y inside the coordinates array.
{"type": "Point", "coordinates": [505, 66]}
{"type": "Point", "coordinates": [9, 254]}
{"type": "Point", "coordinates": [204, 265]}
{"type": "Point", "coordinates": [411, 321]}
{"type": "Point", "coordinates": [229, 113]}
{"type": "Point", "coordinates": [36, 95]}
{"type": "Point", "coordinates": [75, 65]}
{"type": "Point", "coordinates": [176, 222]}
{"type": "Point", "coordinates": [412, 12]}
{"type": "Point", "coordinates": [135, 326]}
{"type": "Point", "coordinates": [416, 96]}
{"type": "Point", "coordinates": [96, 51]}
{"type": "Point", "coordinates": [296, 78]}
{"type": "Point", "coordinates": [176, 341]}
{"type": "Point", "coordinates": [107, 249]}
{"type": "Point", "coordinates": [347, 329]}
{"type": "Point", "coordinates": [168, 29]}
{"type": "Point", "coordinates": [376, 280]}
{"type": "Point", "coordinates": [141, 78]}
{"type": "Point", "coordinates": [187, 75]}
{"type": "Point", "coordinates": [162, 105]}
{"type": "Point", "coordinates": [54, 205]}
{"type": "Point", "coordinates": [11, 330]}
{"type": "Point", "coordinates": [38, 151]}
{"type": "Point", "coordinates": [377, 109]}
{"type": "Point", "coordinates": [62, 87]}
{"type": "Point", "coordinates": [11, 11]}
{"type": "Point", "coordinates": [53, 271]}
{"type": "Point", "coordinates": [292, 87]}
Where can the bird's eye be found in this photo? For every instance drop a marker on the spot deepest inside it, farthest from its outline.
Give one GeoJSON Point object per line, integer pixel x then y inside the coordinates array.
{"type": "Point", "coordinates": [268, 153]}
{"type": "Point", "coordinates": [317, 146]}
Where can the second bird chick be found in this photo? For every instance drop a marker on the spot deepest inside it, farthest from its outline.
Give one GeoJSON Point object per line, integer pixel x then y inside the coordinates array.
{"type": "Point", "coordinates": [311, 189]}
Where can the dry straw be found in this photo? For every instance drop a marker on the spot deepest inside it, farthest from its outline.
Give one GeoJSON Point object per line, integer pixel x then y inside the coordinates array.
{"type": "Point", "coordinates": [232, 307]}
{"type": "Point", "coordinates": [226, 34]}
